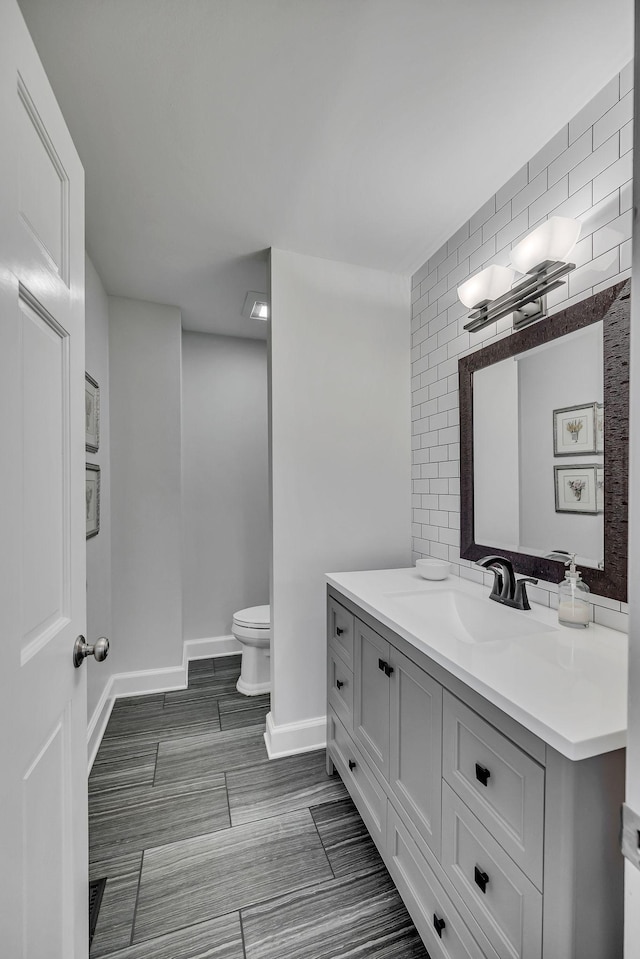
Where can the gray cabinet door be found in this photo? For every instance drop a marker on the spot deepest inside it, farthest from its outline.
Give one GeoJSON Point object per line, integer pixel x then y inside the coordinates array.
{"type": "Point", "coordinates": [371, 677]}
{"type": "Point", "coordinates": [415, 752]}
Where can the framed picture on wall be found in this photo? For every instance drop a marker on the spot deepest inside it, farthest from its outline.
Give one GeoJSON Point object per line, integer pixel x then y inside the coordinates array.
{"type": "Point", "coordinates": [92, 499]}
{"type": "Point", "coordinates": [577, 488]}
{"type": "Point", "coordinates": [574, 430]}
{"type": "Point", "coordinates": [91, 414]}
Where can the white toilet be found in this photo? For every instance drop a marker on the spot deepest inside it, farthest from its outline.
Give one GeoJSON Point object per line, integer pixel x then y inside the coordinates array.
{"type": "Point", "coordinates": [252, 628]}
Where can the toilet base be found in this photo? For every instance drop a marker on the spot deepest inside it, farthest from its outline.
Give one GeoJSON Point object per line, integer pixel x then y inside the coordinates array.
{"type": "Point", "coordinates": [255, 671]}
{"type": "Point", "coordinates": [252, 690]}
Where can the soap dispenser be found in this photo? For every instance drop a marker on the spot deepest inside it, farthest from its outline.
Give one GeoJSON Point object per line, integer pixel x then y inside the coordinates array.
{"type": "Point", "coordinates": [574, 608]}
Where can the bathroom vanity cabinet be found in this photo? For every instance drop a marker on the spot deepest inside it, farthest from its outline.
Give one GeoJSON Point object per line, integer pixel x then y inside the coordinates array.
{"type": "Point", "coordinates": [499, 845]}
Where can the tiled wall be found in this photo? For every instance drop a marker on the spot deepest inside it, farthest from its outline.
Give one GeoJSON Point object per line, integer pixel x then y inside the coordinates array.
{"type": "Point", "coordinates": [584, 172]}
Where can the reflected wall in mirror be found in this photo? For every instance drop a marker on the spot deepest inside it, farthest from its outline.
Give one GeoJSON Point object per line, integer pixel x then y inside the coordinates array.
{"type": "Point", "coordinates": [533, 458]}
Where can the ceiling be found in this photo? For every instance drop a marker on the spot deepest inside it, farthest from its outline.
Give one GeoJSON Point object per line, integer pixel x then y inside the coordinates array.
{"type": "Point", "coordinates": [359, 130]}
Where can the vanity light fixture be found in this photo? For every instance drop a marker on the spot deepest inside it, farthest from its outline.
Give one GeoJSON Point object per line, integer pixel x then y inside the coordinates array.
{"type": "Point", "coordinates": [542, 257]}
{"type": "Point", "coordinates": [256, 306]}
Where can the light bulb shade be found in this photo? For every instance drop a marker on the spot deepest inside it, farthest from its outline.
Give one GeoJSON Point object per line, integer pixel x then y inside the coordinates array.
{"type": "Point", "coordinates": [489, 284]}
{"type": "Point", "coordinates": [552, 241]}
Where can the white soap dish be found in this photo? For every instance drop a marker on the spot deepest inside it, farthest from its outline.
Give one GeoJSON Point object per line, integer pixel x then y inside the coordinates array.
{"type": "Point", "coordinates": [433, 568]}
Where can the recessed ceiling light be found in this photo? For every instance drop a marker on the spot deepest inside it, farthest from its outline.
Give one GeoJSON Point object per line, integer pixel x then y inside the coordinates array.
{"type": "Point", "coordinates": [256, 306]}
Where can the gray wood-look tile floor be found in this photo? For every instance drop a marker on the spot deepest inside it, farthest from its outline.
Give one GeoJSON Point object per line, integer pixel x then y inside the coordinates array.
{"type": "Point", "coordinates": [212, 852]}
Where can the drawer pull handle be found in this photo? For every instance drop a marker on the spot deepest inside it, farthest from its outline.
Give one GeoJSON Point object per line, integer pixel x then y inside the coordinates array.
{"type": "Point", "coordinates": [482, 774]}
{"type": "Point", "coordinates": [339, 683]}
{"type": "Point", "coordinates": [438, 924]}
{"type": "Point", "coordinates": [481, 879]}
{"type": "Point", "coordinates": [352, 764]}
{"type": "Point", "coordinates": [385, 667]}
{"type": "Point", "coordinates": [339, 631]}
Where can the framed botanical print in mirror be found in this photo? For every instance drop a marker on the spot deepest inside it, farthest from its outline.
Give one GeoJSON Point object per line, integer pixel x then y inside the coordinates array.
{"type": "Point", "coordinates": [544, 441]}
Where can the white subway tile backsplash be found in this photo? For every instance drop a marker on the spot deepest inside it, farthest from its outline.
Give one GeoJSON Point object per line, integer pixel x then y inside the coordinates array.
{"type": "Point", "coordinates": [480, 256]}
{"type": "Point", "coordinates": [458, 237]}
{"type": "Point", "coordinates": [594, 164]}
{"type": "Point", "coordinates": [613, 120]}
{"type": "Point", "coordinates": [496, 222]}
{"type": "Point", "coordinates": [535, 188]}
{"type": "Point", "coordinates": [471, 245]}
{"type": "Point", "coordinates": [577, 204]}
{"type": "Point", "coordinates": [584, 171]}
{"type": "Point", "coordinates": [448, 264]}
{"type": "Point", "coordinates": [626, 196]}
{"type": "Point", "coordinates": [613, 234]}
{"type": "Point", "coordinates": [434, 261]}
{"type": "Point", "coordinates": [578, 151]}
{"type": "Point", "coordinates": [611, 618]}
{"type": "Point", "coordinates": [626, 79]}
{"type": "Point", "coordinates": [554, 196]}
{"type": "Point", "coordinates": [618, 278]}
{"type": "Point", "coordinates": [595, 109]}
{"type": "Point", "coordinates": [512, 186]}
{"type": "Point", "coordinates": [599, 269]}
{"type": "Point", "coordinates": [513, 231]}
{"type": "Point", "coordinates": [613, 177]}
{"type": "Point", "coordinates": [556, 145]}
{"type": "Point", "coordinates": [482, 215]}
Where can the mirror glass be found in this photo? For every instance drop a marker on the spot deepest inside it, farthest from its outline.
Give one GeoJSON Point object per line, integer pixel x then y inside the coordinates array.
{"type": "Point", "coordinates": [538, 450]}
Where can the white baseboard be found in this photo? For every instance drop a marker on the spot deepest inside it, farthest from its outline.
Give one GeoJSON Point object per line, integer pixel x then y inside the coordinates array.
{"type": "Point", "coordinates": [210, 648]}
{"type": "Point", "coordinates": [144, 681]}
{"type": "Point", "coordinates": [290, 738]}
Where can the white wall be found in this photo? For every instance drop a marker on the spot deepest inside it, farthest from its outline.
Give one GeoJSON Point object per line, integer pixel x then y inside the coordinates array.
{"type": "Point", "coordinates": [340, 456]}
{"type": "Point", "coordinates": [585, 171]}
{"type": "Point", "coordinates": [99, 547]}
{"type": "Point", "coordinates": [145, 382]}
{"type": "Point", "coordinates": [225, 515]}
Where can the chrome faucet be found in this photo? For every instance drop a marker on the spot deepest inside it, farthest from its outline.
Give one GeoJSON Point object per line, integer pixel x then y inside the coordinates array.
{"type": "Point", "coordinates": [506, 589]}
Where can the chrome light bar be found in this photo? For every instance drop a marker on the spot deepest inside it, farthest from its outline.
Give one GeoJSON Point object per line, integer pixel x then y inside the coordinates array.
{"type": "Point", "coordinates": [524, 300]}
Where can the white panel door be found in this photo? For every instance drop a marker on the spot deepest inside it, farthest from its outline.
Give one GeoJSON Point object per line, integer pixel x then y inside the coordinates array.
{"type": "Point", "coordinates": [43, 722]}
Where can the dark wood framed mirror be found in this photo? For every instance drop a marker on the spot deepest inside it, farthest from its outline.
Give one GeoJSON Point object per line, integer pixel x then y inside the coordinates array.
{"type": "Point", "coordinates": [612, 308]}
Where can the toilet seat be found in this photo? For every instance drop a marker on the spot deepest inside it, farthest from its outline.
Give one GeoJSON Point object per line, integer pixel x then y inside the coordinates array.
{"type": "Point", "coordinates": [254, 617]}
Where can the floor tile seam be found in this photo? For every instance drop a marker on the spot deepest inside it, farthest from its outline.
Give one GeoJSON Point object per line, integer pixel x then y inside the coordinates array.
{"type": "Point", "coordinates": [155, 765]}
{"type": "Point", "coordinates": [292, 892]}
{"type": "Point", "coordinates": [285, 812]}
{"type": "Point", "coordinates": [163, 845]}
{"type": "Point", "coordinates": [135, 908]}
{"type": "Point", "coordinates": [179, 786]}
{"type": "Point", "coordinates": [281, 815]}
{"type": "Point", "coordinates": [171, 932]}
{"type": "Point", "coordinates": [214, 732]}
{"type": "Point", "coordinates": [244, 942]}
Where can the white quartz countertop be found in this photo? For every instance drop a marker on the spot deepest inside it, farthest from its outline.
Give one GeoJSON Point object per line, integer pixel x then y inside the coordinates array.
{"type": "Point", "coordinates": [568, 686]}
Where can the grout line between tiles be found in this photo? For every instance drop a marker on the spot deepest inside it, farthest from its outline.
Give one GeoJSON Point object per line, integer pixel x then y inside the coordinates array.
{"type": "Point", "coordinates": [135, 908]}
{"type": "Point", "coordinates": [244, 943]}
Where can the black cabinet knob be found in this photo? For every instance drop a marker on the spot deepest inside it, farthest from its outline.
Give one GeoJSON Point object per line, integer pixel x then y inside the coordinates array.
{"type": "Point", "coordinates": [339, 683]}
{"type": "Point", "coordinates": [438, 924]}
{"type": "Point", "coordinates": [339, 631]}
{"type": "Point", "coordinates": [482, 774]}
{"type": "Point", "coordinates": [481, 879]}
{"type": "Point", "coordinates": [381, 665]}
{"type": "Point", "coordinates": [352, 765]}
{"type": "Point", "coordinates": [385, 667]}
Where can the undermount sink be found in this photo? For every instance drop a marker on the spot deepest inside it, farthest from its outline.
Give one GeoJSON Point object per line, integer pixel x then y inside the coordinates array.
{"type": "Point", "coordinates": [465, 618]}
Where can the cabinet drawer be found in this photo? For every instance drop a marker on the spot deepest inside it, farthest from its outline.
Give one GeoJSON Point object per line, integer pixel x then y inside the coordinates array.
{"type": "Point", "coordinates": [501, 784]}
{"type": "Point", "coordinates": [340, 688]}
{"type": "Point", "coordinates": [364, 788]}
{"type": "Point", "coordinates": [443, 931]}
{"type": "Point", "coordinates": [509, 910]}
{"type": "Point", "coordinates": [340, 630]}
